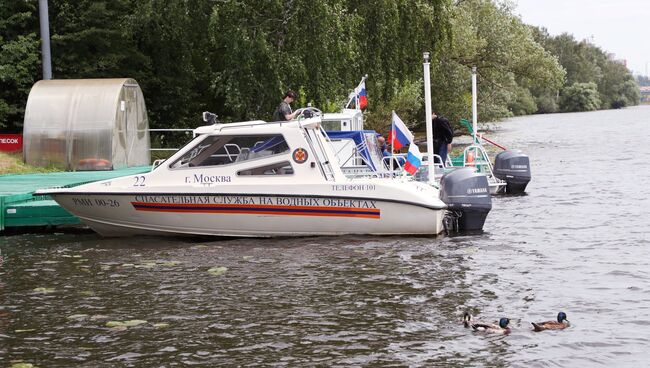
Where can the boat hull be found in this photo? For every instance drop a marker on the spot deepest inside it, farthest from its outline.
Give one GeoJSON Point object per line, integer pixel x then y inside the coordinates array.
{"type": "Point", "coordinates": [248, 215]}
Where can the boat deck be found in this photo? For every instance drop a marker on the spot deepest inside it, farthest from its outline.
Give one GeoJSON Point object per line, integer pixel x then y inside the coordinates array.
{"type": "Point", "coordinates": [19, 208]}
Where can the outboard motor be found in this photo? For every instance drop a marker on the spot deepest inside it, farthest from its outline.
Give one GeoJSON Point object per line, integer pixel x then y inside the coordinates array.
{"type": "Point", "coordinates": [513, 167]}
{"type": "Point", "coordinates": [467, 195]}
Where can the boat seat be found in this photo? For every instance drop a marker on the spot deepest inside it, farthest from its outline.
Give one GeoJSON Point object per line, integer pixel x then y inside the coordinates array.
{"type": "Point", "coordinates": [263, 153]}
{"type": "Point", "coordinates": [243, 154]}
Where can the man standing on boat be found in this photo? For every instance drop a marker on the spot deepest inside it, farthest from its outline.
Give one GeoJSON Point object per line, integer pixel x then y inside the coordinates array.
{"type": "Point", "coordinates": [283, 112]}
{"type": "Point", "coordinates": [443, 134]}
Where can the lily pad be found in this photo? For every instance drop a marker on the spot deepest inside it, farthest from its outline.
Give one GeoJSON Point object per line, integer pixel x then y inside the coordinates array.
{"type": "Point", "coordinates": [25, 330]}
{"type": "Point", "coordinates": [78, 316]}
{"type": "Point", "coordinates": [247, 258]}
{"type": "Point", "coordinates": [134, 322]}
{"type": "Point", "coordinates": [44, 290]}
{"type": "Point", "coordinates": [114, 323]}
{"type": "Point", "coordinates": [147, 265]}
{"type": "Point", "coordinates": [23, 365]}
{"type": "Point", "coordinates": [218, 271]}
{"type": "Point", "coordinates": [120, 326]}
{"type": "Point", "coordinates": [170, 263]}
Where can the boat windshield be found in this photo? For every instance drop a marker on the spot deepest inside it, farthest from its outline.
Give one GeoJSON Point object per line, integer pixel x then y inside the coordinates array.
{"type": "Point", "coordinates": [225, 149]}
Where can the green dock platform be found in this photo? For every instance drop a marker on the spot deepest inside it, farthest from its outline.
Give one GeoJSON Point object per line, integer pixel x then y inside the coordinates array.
{"type": "Point", "coordinates": [19, 208]}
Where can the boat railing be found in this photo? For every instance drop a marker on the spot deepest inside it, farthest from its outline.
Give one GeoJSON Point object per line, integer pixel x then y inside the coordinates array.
{"type": "Point", "coordinates": [475, 156]}
{"type": "Point", "coordinates": [346, 144]}
{"type": "Point", "coordinates": [159, 161]}
{"type": "Point", "coordinates": [320, 152]}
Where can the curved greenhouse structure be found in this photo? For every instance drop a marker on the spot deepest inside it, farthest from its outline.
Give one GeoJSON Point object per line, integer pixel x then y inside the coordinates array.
{"type": "Point", "coordinates": [86, 124]}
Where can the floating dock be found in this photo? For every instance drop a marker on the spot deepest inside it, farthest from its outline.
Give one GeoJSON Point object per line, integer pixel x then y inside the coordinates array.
{"type": "Point", "coordinates": [19, 208]}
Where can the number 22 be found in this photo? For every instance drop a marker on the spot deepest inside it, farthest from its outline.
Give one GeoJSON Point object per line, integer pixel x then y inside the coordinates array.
{"type": "Point", "coordinates": [139, 181]}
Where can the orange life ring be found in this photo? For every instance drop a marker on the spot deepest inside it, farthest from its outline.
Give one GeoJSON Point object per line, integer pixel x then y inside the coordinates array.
{"type": "Point", "coordinates": [469, 161]}
{"type": "Point", "coordinates": [94, 163]}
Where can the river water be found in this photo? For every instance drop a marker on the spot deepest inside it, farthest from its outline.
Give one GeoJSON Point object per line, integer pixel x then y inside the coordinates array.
{"type": "Point", "coordinates": [578, 242]}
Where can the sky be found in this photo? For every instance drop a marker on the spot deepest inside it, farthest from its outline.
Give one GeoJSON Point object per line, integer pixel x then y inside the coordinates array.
{"type": "Point", "coordinates": [616, 26]}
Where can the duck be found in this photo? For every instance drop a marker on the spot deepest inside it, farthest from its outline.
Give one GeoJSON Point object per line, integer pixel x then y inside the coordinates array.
{"type": "Point", "coordinates": [467, 320]}
{"type": "Point", "coordinates": [560, 324]}
{"type": "Point", "coordinates": [501, 328]}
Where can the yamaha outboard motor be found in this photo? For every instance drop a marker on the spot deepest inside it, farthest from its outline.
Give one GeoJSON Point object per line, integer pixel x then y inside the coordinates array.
{"type": "Point", "coordinates": [467, 195]}
{"type": "Point", "coordinates": [513, 167]}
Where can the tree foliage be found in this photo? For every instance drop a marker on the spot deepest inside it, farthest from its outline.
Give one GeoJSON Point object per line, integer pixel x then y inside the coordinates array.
{"type": "Point", "coordinates": [509, 62]}
{"type": "Point", "coordinates": [586, 63]}
{"type": "Point", "coordinates": [19, 59]}
{"type": "Point", "coordinates": [580, 97]}
{"type": "Point", "coordinates": [237, 57]}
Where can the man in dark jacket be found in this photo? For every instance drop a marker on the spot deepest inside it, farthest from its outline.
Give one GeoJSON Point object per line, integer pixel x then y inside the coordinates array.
{"type": "Point", "coordinates": [443, 135]}
{"type": "Point", "coordinates": [283, 112]}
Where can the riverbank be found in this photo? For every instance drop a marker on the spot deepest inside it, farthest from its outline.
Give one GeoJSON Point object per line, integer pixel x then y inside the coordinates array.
{"type": "Point", "coordinates": [13, 164]}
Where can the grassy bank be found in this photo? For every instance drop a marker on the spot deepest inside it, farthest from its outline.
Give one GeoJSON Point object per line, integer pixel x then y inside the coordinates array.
{"type": "Point", "coordinates": [13, 164]}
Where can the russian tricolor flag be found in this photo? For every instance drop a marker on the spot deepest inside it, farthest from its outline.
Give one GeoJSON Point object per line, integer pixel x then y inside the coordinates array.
{"type": "Point", "coordinates": [399, 135]}
{"type": "Point", "coordinates": [413, 159]}
{"type": "Point", "coordinates": [360, 91]}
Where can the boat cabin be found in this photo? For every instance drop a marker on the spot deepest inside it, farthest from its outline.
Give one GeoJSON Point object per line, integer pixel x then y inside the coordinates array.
{"type": "Point", "coordinates": [257, 149]}
{"type": "Point", "coordinates": [344, 121]}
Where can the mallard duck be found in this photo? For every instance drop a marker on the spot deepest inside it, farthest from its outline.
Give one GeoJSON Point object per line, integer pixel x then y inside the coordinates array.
{"type": "Point", "coordinates": [560, 324]}
{"type": "Point", "coordinates": [467, 320]}
{"type": "Point", "coordinates": [501, 328]}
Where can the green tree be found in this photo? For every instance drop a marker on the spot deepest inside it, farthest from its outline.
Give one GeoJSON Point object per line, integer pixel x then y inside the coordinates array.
{"type": "Point", "coordinates": [19, 60]}
{"type": "Point", "coordinates": [88, 40]}
{"type": "Point", "coordinates": [510, 63]}
{"type": "Point", "coordinates": [407, 100]}
{"type": "Point", "coordinates": [617, 87]}
{"type": "Point", "coordinates": [580, 97]}
{"type": "Point", "coordinates": [587, 63]}
{"type": "Point", "coordinates": [175, 58]}
{"type": "Point", "coordinates": [524, 102]}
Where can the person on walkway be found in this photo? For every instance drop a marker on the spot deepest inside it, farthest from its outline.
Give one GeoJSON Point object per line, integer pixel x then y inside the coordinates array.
{"type": "Point", "coordinates": [284, 112]}
{"type": "Point", "coordinates": [443, 135]}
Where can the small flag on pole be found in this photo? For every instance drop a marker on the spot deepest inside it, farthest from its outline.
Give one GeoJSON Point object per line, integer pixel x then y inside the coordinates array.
{"type": "Point", "coordinates": [413, 159]}
{"type": "Point", "coordinates": [360, 92]}
{"type": "Point", "coordinates": [399, 135]}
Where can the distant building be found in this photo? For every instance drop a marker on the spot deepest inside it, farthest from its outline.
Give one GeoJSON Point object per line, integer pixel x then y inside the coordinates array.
{"type": "Point", "coordinates": [645, 94]}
